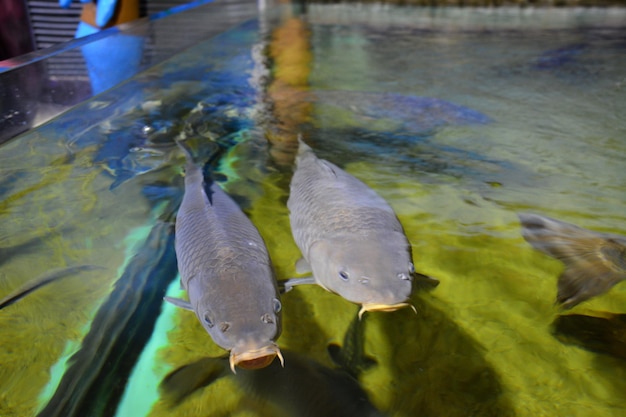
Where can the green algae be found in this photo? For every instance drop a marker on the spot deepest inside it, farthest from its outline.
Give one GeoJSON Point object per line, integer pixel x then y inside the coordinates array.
{"type": "Point", "coordinates": [497, 293]}
{"type": "Point", "coordinates": [55, 205]}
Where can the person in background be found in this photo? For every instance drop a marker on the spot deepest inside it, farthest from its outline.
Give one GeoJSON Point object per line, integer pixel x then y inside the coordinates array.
{"type": "Point", "coordinates": [103, 14]}
{"type": "Point", "coordinates": [111, 59]}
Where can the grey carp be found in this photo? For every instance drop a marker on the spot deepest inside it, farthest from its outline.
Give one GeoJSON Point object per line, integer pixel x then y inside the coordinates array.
{"type": "Point", "coordinates": [226, 270]}
{"type": "Point", "coordinates": [349, 236]}
{"type": "Point", "coordinates": [594, 262]}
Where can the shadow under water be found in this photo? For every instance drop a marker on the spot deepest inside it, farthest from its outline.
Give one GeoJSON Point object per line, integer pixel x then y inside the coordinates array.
{"type": "Point", "coordinates": [436, 368]}
{"type": "Point", "coordinates": [302, 388]}
{"type": "Point", "coordinates": [95, 380]}
{"type": "Point", "coordinates": [605, 335]}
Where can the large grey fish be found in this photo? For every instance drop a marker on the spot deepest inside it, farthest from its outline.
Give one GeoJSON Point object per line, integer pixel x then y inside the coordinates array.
{"type": "Point", "coordinates": [594, 262]}
{"type": "Point", "coordinates": [349, 236]}
{"type": "Point", "coordinates": [226, 270]}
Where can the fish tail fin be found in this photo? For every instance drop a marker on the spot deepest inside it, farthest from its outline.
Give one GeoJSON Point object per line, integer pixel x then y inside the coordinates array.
{"type": "Point", "coordinates": [186, 151]}
{"type": "Point", "coordinates": [302, 146]}
{"type": "Point", "coordinates": [193, 171]}
{"type": "Point", "coordinates": [593, 262]}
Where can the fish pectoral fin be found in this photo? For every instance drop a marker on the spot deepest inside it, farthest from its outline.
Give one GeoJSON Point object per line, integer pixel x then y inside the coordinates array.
{"type": "Point", "coordinates": [303, 266]}
{"type": "Point", "coordinates": [288, 284]}
{"type": "Point", "coordinates": [424, 282]}
{"type": "Point", "coordinates": [179, 303]}
{"type": "Point", "coordinates": [327, 168]}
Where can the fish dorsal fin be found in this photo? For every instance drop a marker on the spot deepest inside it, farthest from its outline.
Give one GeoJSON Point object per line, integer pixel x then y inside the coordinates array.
{"type": "Point", "coordinates": [186, 305]}
{"type": "Point", "coordinates": [328, 168]}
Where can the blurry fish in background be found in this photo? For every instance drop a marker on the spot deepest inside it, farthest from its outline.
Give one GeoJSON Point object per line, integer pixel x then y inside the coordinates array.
{"type": "Point", "coordinates": [604, 333]}
{"type": "Point", "coordinates": [303, 388]}
{"type": "Point", "coordinates": [143, 138]}
{"type": "Point", "coordinates": [349, 236]}
{"type": "Point", "coordinates": [556, 58]}
{"type": "Point", "coordinates": [594, 262]}
{"type": "Point", "coordinates": [414, 113]}
{"type": "Point", "coordinates": [42, 281]}
{"type": "Point", "coordinates": [226, 270]}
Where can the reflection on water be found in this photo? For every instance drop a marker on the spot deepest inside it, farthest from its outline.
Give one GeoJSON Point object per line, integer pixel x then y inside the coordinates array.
{"type": "Point", "coordinates": [458, 119]}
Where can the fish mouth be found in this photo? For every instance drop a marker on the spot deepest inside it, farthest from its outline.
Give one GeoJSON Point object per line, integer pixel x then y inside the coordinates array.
{"type": "Point", "coordinates": [384, 307]}
{"type": "Point", "coordinates": [255, 358]}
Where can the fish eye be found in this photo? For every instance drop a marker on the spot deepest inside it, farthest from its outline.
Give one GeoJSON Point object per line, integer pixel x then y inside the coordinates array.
{"type": "Point", "coordinates": [411, 268]}
{"type": "Point", "coordinates": [224, 326]}
{"type": "Point", "coordinates": [207, 320]}
{"type": "Point", "coordinates": [344, 275]}
{"type": "Point", "coordinates": [404, 276]}
{"type": "Point", "coordinates": [267, 319]}
{"type": "Point", "coordinates": [277, 305]}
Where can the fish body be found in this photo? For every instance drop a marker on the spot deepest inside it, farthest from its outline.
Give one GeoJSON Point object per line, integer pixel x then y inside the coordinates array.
{"type": "Point", "coordinates": [226, 270]}
{"type": "Point", "coordinates": [594, 262]}
{"type": "Point", "coordinates": [558, 58]}
{"type": "Point", "coordinates": [348, 235]}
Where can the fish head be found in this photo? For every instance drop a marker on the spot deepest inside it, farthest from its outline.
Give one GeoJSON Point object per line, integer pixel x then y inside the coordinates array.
{"type": "Point", "coordinates": [376, 273]}
{"type": "Point", "coordinates": [247, 327]}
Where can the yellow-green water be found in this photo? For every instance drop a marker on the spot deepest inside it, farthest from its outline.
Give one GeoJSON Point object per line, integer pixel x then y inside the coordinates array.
{"type": "Point", "coordinates": [481, 343]}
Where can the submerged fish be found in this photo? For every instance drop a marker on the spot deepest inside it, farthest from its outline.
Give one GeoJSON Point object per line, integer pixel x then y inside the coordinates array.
{"type": "Point", "coordinates": [226, 270]}
{"type": "Point", "coordinates": [416, 114]}
{"type": "Point", "coordinates": [42, 281]}
{"type": "Point", "coordinates": [594, 262]}
{"type": "Point", "coordinates": [557, 58]}
{"type": "Point", "coordinates": [349, 236]}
